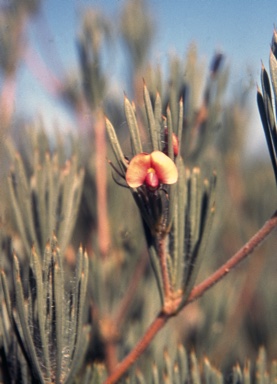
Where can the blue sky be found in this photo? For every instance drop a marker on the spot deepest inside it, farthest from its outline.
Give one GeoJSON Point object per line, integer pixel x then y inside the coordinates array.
{"type": "Point", "coordinates": [241, 29]}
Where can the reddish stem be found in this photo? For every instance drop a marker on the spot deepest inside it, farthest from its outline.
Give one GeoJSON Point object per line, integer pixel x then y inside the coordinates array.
{"type": "Point", "coordinates": [197, 292]}
{"type": "Point", "coordinates": [7, 98]}
{"type": "Point", "coordinates": [101, 184]}
{"type": "Point", "coordinates": [246, 250]}
{"type": "Point", "coordinates": [149, 335]}
{"type": "Point", "coordinates": [110, 356]}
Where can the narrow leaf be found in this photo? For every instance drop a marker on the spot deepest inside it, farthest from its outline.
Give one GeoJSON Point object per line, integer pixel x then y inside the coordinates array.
{"type": "Point", "coordinates": [116, 147]}
{"type": "Point", "coordinates": [268, 104]}
{"type": "Point", "coordinates": [158, 119]}
{"type": "Point", "coordinates": [150, 119]}
{"type": "Point", "coordinates": [133, 126]}
{"type": "Point", "coordinates": [59, 319]}
{"type": "Point", "coordinates": [273, 75]}
{"type": "Point", "coordinates": [267, 132]}
{"type": "Point", "coordinates": [180, 123]}
{"type": "Point", "coordinates": [40, 295]}
{"type": "Point", "coordinates": [24, 326]}
{"type": "Point", "coordinates": [169, 134]}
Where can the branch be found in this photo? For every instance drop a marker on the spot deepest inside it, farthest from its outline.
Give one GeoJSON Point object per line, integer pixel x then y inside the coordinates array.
{"type": "Point", "coordinates": [246, 250]}
{"type": "Point", "coordinates": [196, 292]}
{"type": "Point", "coordinates": [137, 351]}
{"type": "Point", "coordinates": [101, 185]}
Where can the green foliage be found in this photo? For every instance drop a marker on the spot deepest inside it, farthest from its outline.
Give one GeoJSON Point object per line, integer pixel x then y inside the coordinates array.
{"type": "Point", "coordinates": [71, 313]}
{"type": "Point", "coordinates": [46, 324]}
{"type": "Point", "coordinates": [94, 29]}
{"type": "Point", "coordinates": [265, 104]}
{"type": "Point", "coordinates": [44, 198]}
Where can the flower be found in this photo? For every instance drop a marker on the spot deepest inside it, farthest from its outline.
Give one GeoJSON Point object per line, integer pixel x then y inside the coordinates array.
{"type": "Point", "coordinates": [151, 170]}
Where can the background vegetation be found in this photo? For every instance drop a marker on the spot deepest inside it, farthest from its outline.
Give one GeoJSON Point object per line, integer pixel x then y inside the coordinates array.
{"type": "Point", "coordinates": [57, 192]}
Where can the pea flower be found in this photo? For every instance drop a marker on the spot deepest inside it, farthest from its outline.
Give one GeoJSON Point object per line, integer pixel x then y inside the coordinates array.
{"type": "Point", "coordinates": [151, 170]}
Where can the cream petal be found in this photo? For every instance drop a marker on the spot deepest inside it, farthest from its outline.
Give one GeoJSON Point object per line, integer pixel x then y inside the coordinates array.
{"type": "Point", "coordinates": [137, 170]}
{"type": "Point", "coordinates": [165, 167]}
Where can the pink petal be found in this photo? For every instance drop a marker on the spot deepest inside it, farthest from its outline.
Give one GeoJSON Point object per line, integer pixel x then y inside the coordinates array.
{"type": "Point", "coordinates": [152, 181]}
{"type": "Point", "coordinates": [165, 167]}
{"type": "Point", "coordinates": [137, 170]}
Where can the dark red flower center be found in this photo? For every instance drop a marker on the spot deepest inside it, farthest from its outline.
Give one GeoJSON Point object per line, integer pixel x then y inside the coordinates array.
{"type": "Point", "coordinates": [151, 179]}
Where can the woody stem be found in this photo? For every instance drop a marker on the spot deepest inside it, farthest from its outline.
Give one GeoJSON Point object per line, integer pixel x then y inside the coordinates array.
{"type": "Point", "coordinates": [239, 256]}
{"type": "Point", "coordinates": [197, 292]}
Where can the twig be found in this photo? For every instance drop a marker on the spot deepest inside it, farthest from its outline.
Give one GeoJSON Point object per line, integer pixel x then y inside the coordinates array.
{"type": "Point", "coordinates": [118, 320]}
{"type": "Point", "coordinates": [110, 355]}
{"type": "Point", "coordinates": [101, 185]}
{"type": "Point", "coordinates": [197, 292]}
{"type": "Point", "coordinates": [149, 335]}
{"type": "Point", "coordinates": [246, 250]}
{"type": "Point", "coordinates": [7, 98]}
